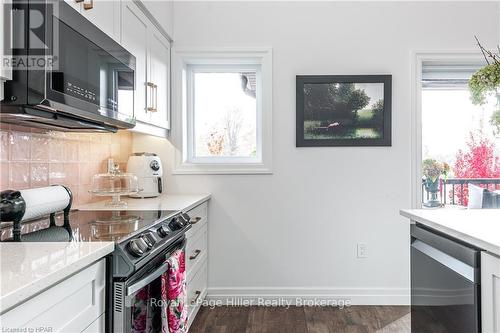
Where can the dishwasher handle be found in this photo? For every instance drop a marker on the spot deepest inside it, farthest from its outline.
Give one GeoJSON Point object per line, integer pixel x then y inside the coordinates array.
{"type": "Point", "coordinates": [466, 271]}
{"type": "Point", "coordinates": [453, 247]}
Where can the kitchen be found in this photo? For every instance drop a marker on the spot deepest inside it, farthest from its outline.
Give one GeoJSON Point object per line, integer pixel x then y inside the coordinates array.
{"type": "Point", "coordinates": [260, 212]}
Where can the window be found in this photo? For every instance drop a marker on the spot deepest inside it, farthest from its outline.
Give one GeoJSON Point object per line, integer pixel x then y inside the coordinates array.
{"type": "Point", "coordinates": [456, 133]}
{"type": "Point", "coordinates": [226, 123]}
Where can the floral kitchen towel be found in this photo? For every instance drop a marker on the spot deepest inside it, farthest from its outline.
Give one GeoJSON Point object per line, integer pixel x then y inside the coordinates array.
{"type": "Point", "coordinates": [140, 311]}
{"type": "Point", "coordinates": [173, 289]}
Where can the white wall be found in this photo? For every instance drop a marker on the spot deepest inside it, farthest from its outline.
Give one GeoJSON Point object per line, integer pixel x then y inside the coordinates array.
{"type": "Point", "coordinates": [295, 232]}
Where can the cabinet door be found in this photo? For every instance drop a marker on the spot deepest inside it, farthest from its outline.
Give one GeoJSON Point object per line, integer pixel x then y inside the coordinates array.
{"type": "Point", "coordinates": [70, 306]}
{"type": "Point", "coordinates": [98, 326]}
{"type": "Point", "coordinates": [134, 38]}
{"type": "Point", "coordinates": [104, 14]}
{"type": "Point", "coordinates": [490, 293]}
{"type": "Point", "coordinates": [159, 69]}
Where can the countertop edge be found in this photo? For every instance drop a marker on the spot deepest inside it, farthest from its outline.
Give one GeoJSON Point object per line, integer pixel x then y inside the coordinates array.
{"type": "Point", "coordinates": [170, 201]}
{"type": "Point", "coordinates": [13, 299]}
{"type": "Point", "coordinates": [484, 245]}
{"type": "Point", "coordinates": [203, 199]}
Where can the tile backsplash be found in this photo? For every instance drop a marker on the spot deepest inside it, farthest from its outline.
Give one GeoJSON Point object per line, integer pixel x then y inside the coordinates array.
{"type": "Point", "coordinates": [32, 158]}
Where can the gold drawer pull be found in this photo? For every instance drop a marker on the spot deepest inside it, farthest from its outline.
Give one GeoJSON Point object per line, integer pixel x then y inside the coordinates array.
{"type": "Point", "coordinates": [195, 220]}
{"type": "Point", "coordinates": [196, 254]}
{"type": "Point", "coordinates": [198, 294]}
{"type": "Point", "coordinates": [88, 6]}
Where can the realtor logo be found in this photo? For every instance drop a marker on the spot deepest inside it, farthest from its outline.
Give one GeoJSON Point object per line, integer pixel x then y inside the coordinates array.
{"type": "Point", "coordinates": [31, 38]}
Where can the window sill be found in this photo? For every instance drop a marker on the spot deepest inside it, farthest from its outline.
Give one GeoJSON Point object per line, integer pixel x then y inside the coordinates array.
{"type": "Point", "coordinates": [226, 169]}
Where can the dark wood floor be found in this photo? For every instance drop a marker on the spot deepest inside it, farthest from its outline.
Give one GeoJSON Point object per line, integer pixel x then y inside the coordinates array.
{"type": "Point", "coordinates": [354, 319]}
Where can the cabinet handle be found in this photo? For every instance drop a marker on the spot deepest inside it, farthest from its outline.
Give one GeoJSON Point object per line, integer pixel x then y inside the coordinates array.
{"type": "Point", "coordinates": [195, 220]}
{"type": "Point", "coordinates": [196, 254]}
{"type": "Point", "coordinates": [88, 6]}
{"type": "Point", "coordinates": [151, 108]}
{"type": "Point", "coordinates": [156, 98]}
{"type": "Point", "coordinates": [198, 294]}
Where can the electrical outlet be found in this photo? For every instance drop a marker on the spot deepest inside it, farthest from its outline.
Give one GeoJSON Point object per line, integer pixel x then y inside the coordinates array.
{"type": "Point", "coordinates": [362, 250]}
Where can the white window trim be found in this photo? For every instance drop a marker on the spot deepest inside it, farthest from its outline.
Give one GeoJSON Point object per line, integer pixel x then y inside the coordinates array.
{"type": "Point", "coordinates": [183, 58]}
{"type": "Point", "coordinates": [417, 59]}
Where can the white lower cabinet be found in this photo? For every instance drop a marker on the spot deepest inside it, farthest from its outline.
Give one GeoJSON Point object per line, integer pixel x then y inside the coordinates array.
{"type": "Point", "coordinates": [98, 326]}
{"type": "Point", "coordinates": [76, 304]}
{"type": "Point", "coordinates": [490, 293]}
{"type": "Point", "coordinates": [196, 292]}
{"type": "Point", "coordinates": [197, 260]}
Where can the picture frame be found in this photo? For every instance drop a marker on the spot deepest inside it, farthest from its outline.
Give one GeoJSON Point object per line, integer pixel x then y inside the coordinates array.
{"type": "Point", "coordinates": [343, 110]}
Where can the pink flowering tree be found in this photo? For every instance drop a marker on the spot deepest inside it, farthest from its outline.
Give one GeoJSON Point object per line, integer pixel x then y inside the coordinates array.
{"type": "Point", "coordinates": [476, 161]}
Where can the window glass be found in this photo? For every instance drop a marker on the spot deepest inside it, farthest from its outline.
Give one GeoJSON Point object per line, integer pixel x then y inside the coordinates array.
{"type": "Point", "coordinates": [225, 114]}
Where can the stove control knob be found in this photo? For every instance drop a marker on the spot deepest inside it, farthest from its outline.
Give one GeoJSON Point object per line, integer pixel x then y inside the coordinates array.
{"type": "Point", "coordinates": [177, 223]}
{"type": "Point", "coordinates": [154, 165]}
{"type": "Point", "coordinates": [149, 239]}
{"type": "Point", "coordinates": [186, 217]}
{"type": "Point", "coordinates": [163, 231]}
{"type": "Point", "coordinates": [137, 247]}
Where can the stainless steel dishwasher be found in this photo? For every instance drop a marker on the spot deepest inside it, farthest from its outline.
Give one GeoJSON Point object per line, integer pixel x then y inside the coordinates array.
{"type": "Point", "coordinates": [445, 283]}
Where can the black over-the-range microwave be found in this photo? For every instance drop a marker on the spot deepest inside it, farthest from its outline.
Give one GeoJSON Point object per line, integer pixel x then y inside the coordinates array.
{"type": "Point", "coordinates": [67, 74]}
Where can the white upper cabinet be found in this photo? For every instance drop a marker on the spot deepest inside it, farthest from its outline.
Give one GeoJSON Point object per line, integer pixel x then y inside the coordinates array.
{"type": "Point", "coordinates": [104, 14]}
{"type": "Point", "coordinates": [165, 8]}
{"type": "Point", "coordinates": [159, 76]}
{"type": "Point", "coordinates": [152, 51]}
{"type": "Point", "coordinates": [130, 23]}
{"type": "Point", "coordinates": [134, 38]}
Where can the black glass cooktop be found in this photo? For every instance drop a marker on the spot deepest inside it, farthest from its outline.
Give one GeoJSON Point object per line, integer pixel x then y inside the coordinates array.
{"type": "Point", "coordinates": [95, 226]}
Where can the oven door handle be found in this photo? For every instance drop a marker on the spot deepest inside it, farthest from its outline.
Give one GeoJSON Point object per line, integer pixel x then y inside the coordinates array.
{"type": "Point", "coordinates": [133, 289]}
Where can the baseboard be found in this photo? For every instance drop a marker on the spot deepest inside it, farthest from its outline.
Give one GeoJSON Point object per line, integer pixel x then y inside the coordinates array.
{"type": "Point", "coordinates": [311, 296]}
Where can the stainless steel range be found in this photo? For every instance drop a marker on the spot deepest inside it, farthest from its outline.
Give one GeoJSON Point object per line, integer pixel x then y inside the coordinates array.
{"type": "Point", "coordinates": [143, 242]}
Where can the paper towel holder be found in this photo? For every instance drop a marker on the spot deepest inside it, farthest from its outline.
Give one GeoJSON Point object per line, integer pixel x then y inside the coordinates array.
{"type": "Point", "coordinates": [13, 208]}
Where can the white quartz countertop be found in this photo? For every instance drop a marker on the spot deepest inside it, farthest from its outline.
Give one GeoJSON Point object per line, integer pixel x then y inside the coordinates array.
{"type": "Point", "coordinates": [167, 201]}
{"type": "Point", "coordinates": [478, 227]}
{"type": "Point", "coordinates": [30, 268]}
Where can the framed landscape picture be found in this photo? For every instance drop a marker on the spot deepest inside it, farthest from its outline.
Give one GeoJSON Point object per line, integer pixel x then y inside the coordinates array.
{"type": "Point", "coordinates": [343, 110]}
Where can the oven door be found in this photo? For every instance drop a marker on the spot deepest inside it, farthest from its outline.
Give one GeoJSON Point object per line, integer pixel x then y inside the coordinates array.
{"type": "Point", "coordinates": [137, 300]}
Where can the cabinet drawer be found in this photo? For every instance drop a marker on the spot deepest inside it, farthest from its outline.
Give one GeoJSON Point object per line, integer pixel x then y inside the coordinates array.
{"type": "Point", "coordinates": [201, 210]}
{"type": "Point", "coordinates": [199, 216]}
{"type": "Point", "coordinates": [196, 251]}
{"type": "Point", "coordinates": [69, 306]}
{"type": "Point", "coordinates": [196, 292]}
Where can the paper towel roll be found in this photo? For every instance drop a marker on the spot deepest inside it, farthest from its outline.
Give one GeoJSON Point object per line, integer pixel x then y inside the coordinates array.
{"type": "Point", "coordinates": [44, 200]}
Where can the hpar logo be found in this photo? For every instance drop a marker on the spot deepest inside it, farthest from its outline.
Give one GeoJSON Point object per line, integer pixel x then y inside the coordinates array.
{"type": "Point", "coordinates": [30, 37]}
